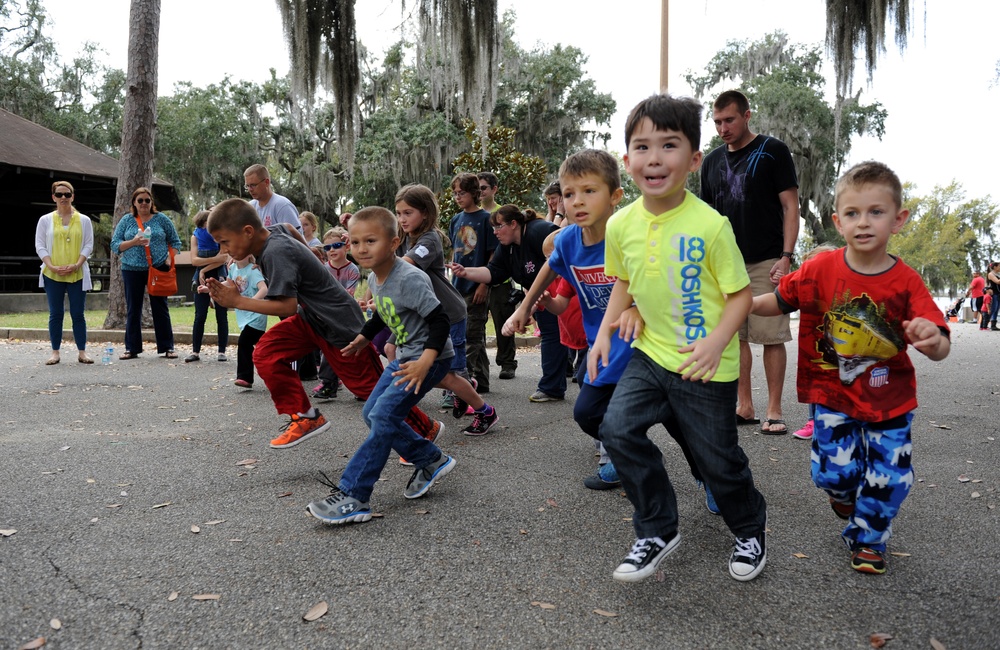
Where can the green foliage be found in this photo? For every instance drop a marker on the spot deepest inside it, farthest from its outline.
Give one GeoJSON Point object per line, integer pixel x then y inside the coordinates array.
{"type": "Point", "coordinates": [522, 176]}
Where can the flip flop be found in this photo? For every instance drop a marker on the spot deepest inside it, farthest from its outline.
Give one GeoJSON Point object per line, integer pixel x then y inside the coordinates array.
{"type": "Point", "coordinates": [741, 421]}
{"type": "Point", "coordinates": [52, 361]}
{"type": "Point", "coordinates": [768, 422]}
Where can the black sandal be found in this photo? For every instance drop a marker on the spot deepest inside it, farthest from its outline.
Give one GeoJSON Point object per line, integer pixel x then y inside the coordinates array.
{"type": "Point", "coordinates": [129, 355]}
{"type": "Point", "coordinates": [169, 354]}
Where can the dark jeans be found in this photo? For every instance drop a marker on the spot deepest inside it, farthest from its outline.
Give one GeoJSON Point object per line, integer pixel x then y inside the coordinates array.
{"type": "Point", "coordinates": [134, 283]}
{"type": "Point", "coordinates": [994, 306]}
{"type": "Point", "coordinates": [55, 292]}
{"type": "Point", "coordinates": [501, 309]}
{"type": "Point", "coordinates": [554, 358]}
{"type": "Point", "coordinates": [703, 415]}
{"type": "Point", "coordinates": [476, 359]}
{"type": "Point", "coordinates": [244, 352]}
{"type": "Point", "coordinates": [201, 306]}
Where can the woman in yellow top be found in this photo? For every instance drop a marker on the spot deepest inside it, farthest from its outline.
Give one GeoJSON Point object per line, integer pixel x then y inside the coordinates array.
{"type": "Point", "coordinates": [64, 239]}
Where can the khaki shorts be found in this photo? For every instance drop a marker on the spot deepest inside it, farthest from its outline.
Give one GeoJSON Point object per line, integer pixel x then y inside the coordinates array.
{"type": "Point", "coordinates": [764, 330]}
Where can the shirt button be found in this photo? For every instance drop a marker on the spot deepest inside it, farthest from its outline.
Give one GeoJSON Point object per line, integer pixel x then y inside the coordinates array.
{"type": "Point", "coordinates": [652, 242]}
{"type": "Point", "coordinates": [652, 260]}
{"type": "Point", "coordinates": [655, 226]}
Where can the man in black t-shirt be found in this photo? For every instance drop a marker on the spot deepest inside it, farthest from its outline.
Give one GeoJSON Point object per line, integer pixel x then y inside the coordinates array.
{"type": "Point", "coordinates": [751, 180]}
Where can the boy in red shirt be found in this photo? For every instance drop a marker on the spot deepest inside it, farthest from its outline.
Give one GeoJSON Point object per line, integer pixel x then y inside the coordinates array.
{"type": "Point", "coordinates": [860, 307]}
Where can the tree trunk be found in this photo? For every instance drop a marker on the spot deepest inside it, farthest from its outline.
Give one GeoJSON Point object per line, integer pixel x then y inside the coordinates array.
{"type": "Point", "coordinates": [138, 132]}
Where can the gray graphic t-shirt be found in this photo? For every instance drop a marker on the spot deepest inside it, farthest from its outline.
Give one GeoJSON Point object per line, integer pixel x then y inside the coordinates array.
{"type": "Point", "coordinates": [403, 302]}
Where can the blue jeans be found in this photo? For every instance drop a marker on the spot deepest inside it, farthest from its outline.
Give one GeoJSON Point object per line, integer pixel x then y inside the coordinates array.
{"type": "Point", "coordinates": [385, 414]}
{"type": "Point", "coordinates": [553, 381]}
{"type": "Point", "coordinates": [457, 334]}
{"type": "Point", "coordinates": [701, 414]}
{"type": "Point", "coordinates": [55, 291]}
{"type": "Point", "coordinates": [134, 283]}
{"type": "Point", "coordinates": [994, 306]}
{"type": "Point", "coordinates": [201, 304]}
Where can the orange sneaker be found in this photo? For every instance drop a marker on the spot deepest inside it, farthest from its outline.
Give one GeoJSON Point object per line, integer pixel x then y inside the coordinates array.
{"type": "Point", "coordinates": [298, 429]}
{"type": "Point", "coordinates": [435, 431]}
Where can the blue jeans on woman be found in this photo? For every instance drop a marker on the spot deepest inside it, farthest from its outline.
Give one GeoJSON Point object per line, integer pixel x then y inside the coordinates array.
{"type": "Point", "coordinates": [553, 381]}
{"type": "Point", "coordinates": [385, 414]}
{"type": "Point", "coordinates": [994, 307]}
{"type": "Point", "coordinates": [56, 291]}
{"type": "Point", "coordinates": [135, 288]}
{"type": "Point", "coordinates": [701, 413]}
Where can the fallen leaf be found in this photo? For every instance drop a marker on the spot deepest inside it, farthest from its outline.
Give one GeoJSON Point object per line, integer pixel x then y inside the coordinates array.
{"type": "Point", "coordinates": [185, 419]}
{"type": "Point", "coordinates": [940, 426]}
{"type": "Point", "coordinates": [7, 532]}
{"type": "Point", "coordinates": [524, 532]}
{"type": "Point", "coordinates": [206, 596]}
{"type": "Point", "coordinates": [900, 554]}
{"type": "Point", "coordinates": [541, 509]}
{"type": "Point", "coordinates": [284, 494]}
{"type": "Point", "coordinates": [977, 480]}
{"type": "Point", "coordinates": [166, 407]}
{"type": "Point", "coordinates": [173, 596]}
{"type": "Point", "coordinates": [213, 522]}
{"type": "Point", "coordinates": [604, 612]}
{"type": "Point", "coordinates": [90, 480]}
{"type": "Point", "coordinates": [236, 540]}
{"type": "Point", "coordinates": [801, 556]}
{"type": "Point", "coordinates": [962, 478]}
{"type": "Point", "coordinates": [66, 448]}
{"type": "Point", "coordinates": [32, 645]}
{"type": "Point", "coordinates": [316, 611]}
{"type": "Point", "coordinates": [423, 512]}
{"type": "Point", "coordinates": [122, 484]}
{"type": "Point", "coordinates": [937, 645]}
{"type": "Point", "coordinates": [55, 624]}
{"type": "Point", "coordinates": [195, 529]}
{"type": "Point", "coordinates": [538, 603]}
{"type": "Point", "coordinates": [377, 515]}
{"type": "Point", "coordinates": [975, 495]}
{"type": "Point", "coordinates": [878, 639]}
{"type": "Point", "coordinates": [94, 520]}
{"type": "Point", "coordinates": [552, 502]}
{"type": "Point", "coordinates": [661, 576]}
{"type": "Point", "coordinates": [246, 461]}
{"type": "Point", "coordinates": [113, 506]}
{"type": "Point", "coordinates": [161, 505]}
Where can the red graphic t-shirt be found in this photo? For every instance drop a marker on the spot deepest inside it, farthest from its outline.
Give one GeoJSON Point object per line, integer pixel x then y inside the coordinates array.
{"type": "Point", "coordinates": [852, 346]}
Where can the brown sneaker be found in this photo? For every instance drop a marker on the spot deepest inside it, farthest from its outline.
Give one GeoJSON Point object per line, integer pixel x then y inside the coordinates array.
{"type": "Point", "coordinates": [841, 509]}
{"type": "Point", "coordinates": [298, 429]}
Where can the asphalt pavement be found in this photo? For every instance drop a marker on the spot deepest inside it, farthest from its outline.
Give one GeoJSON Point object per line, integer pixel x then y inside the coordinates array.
{"type": "Point", "coordinates": [150, 513]}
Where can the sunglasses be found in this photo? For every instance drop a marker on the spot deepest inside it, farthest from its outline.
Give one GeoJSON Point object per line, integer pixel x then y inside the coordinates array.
{"type": "Point", "coordinates": [144, 200]}
{"type": "Point", "coordinates": [62, 195]}
{"type": "Point", "coordinates": [334, 246]}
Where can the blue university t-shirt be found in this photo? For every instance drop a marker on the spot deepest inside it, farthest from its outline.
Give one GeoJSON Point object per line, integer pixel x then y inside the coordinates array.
{"type": "Point", "coordinates": [583, 267]}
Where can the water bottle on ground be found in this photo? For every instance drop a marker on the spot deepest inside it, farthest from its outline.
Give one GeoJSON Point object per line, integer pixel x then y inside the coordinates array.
{"type": "Point", "coordinates": [106, 357]}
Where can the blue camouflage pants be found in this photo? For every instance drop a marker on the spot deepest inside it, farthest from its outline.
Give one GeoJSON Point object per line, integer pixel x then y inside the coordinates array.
{"type": "Point", "coordinates": [865, 463]}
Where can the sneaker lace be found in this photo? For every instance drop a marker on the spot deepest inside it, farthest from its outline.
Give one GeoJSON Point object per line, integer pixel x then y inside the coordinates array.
{"type": "Point", "coordinates": [748, 547]}
{"type": "Point", "coordinates": [640, 549]}
{"type": "Point", "coordinates": [334, 488]}
{"type": "Point", "coordinates": [478, 421]}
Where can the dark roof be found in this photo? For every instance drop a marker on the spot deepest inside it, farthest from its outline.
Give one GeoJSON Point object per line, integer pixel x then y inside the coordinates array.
{"type": "Point", "coordinates": [32, 157]}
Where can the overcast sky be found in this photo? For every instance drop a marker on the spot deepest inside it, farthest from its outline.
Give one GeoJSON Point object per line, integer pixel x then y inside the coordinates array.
{"type": "Point", "coordinates": [935, 92]}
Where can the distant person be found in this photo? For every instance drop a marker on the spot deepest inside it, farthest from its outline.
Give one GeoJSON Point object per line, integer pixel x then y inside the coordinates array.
{"type": "Point", "coordinates": [987, 301]}
{"type": "Point", "coordinates": [975, 295]}
{"type": "Point", "coordinates": [250, 283]}
{"type": "Point", "coordinates": [860, 307]}
{"type": "Point", "coordinates": [271, 208]}
{"type": "Point", "coordinates": [64, 239]}
{"type": "Point", "coordinates": [668, 251]}
{"type": "Point", "coordinates": [751, 180]}
{"type": "Point", "coordinates": [405, 301]}
{"type": "Point", "coordinates": [129, 243]}
{"type": "Point", "coordinates": [347, 274]}
{"type": "Point", "coordinates": [316, 312]}
{"type": "Point", "coordinates": [500, 303]}
{"type": "Point", "coordinates": [993, 282]}
{"type": "Point", "coordinates": [554, 203]}
{"type": "Point", "coordinates": [473, 243]}
{"type": "Point", "coordinates": [309, 226]}
{"type": "Point", "coordinates": [209, 262]}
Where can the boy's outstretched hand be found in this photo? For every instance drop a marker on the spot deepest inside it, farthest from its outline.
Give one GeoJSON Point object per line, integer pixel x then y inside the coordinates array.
{"type": "Point", "coordinates": [355, 346]}
{"type": "Point", "coordinates": [413, 373]}
{"type": "Point", "coordinates": [704, 361]}
{"type": "Point", "coordinates": [225, 294]}
{"type": "Point", "coordinates": [927, 338]}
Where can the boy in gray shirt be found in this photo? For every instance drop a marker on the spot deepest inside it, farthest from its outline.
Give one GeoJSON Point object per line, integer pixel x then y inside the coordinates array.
{"type": "Point", "coordinates": [405, 302]}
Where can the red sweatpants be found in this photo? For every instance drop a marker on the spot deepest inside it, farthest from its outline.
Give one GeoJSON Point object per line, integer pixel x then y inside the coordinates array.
{"type": "Point", "coordinates": [289, 340]}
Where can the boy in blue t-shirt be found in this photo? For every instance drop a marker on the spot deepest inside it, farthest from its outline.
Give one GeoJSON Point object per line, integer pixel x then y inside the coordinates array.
{"type": "Point", "coordinates": [676, 260]}
{"type": "Point", "coordinates": [405, 302]}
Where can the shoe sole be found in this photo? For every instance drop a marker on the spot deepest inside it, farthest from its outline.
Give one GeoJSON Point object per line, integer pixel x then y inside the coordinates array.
{"type": "Point", "coordinates": [481, 433]}
{"type": "Point", "coordinates": [355, 518]}
{"type": "Point", "coordinates": [324, 398]}
{"type": "Point", "coordinates": [865, 567]}
{"type": "Point", "coordinates": [649, 569]}
{"type": "Point", "coordinates": [440, 473]}
{"type": "Point", "coordinates": [796, 435]}
{"type": "Point", "coordinates": [542, 400]}
{"type": "Point", "coordinates": [317, 430]}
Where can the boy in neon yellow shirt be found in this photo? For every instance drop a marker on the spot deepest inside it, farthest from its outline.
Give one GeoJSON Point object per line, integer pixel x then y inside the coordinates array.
{"type": "Point", "coordinates": [676, 259]}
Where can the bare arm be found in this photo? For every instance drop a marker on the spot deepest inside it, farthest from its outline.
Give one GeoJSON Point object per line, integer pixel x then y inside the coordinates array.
{"type": "Point", "coordinates": [519, 318]}
{"type": "Point", "coordinates": [225, 294]}
{"type": "Point", "coordinates": [765, 305]}
{"type": "Point", "coordinates": [790, 227]}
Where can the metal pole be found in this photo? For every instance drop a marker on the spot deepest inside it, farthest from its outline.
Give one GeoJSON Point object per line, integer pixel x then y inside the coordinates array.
{"type": "Point", "coordinates": [664, 40]}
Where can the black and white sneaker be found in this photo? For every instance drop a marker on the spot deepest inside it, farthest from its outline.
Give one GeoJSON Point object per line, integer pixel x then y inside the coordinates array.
{"type": "Point", "coordinates": [645, 556]}
{"type": "Point", "coordinates": [482, 422]}
{"type": "Point", "coordinates": [748, 558]}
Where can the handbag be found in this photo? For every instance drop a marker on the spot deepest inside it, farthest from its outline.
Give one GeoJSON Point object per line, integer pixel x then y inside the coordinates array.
{"type": "Point", "coordinates": [161, 283]}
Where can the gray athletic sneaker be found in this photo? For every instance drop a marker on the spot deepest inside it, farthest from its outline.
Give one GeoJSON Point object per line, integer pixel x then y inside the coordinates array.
{"type": "Point", "coordinates": [424, 477]}
{"type": "Point", "coordinates": [338, 508]}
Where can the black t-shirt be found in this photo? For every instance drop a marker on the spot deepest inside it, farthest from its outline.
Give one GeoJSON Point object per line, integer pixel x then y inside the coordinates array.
{"type": "Point", "coordinates": [744, 185]}
{"type": "Point", "coordinates": [523, 261]}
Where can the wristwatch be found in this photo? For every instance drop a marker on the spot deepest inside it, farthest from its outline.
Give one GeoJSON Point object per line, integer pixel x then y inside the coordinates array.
{"type": "Point", "coordinates": [790, 255]}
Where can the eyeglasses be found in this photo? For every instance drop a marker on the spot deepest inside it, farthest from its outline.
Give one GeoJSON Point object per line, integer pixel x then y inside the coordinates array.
{"type": "Point", "coordinates": [500, 227]}
{"type": "Point", "coordinates": [337, 245]}
{"type": "Point", "coordinates": [144, 200]}
{"type": "Point", "coordinates": [459, 194]}
{"type": "Point", "coordinates": [484, 188]}
{"type": "Point", "coordinates": [252, 186]}
{"type": "Point", "coordinates": [62, 195]}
